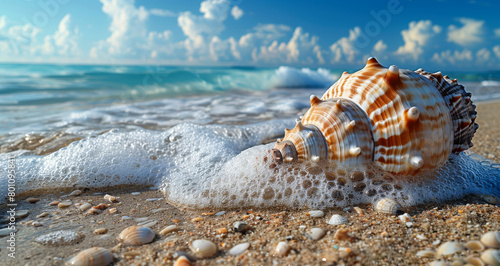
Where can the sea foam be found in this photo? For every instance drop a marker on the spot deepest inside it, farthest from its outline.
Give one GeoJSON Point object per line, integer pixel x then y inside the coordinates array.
{"type": "Point", "coordinates": [218, 166]}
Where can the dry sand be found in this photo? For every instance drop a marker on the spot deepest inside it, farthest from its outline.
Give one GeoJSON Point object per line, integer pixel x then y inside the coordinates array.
{"type": "Point", "coordinates": [369, 238]}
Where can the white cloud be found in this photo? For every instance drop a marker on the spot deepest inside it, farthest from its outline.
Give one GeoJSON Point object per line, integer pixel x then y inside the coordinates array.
{"type": "Point", "coordinates": [496, 31]}
{"type": "Point", "coordinates": [64, 40]}
{"type": "Point", "coordinates": [469, 34]}
{"type": "Point", "coordinates": [416, 37]}
{"type": "Point", "coordinates": [2, 21]}
{"type": "Point", "coordinates": [483, 55]}
{"type": "Point", "coordinates": [447, 56]}
{"type": "Point", "coordinates": [236, 12]}
{"type": "Point", "coordinates": [162, 13]}
{"type": "Point", "coordinates": [128, 28]}
{"type": "Point", "coordinates": [496, 50]}
{"type": "Point", "coordinates": [380, 47]}
{"type": "Point", "coordinates": [345, 47]}
{"type": "Point", "coordinates": [214, 9]}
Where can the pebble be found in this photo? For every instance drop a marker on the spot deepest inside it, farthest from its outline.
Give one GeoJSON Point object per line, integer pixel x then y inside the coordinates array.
{"type": "Point", "coordinates": [21, 214]}
{"type": "Point", "coordinates": [220, 213]}
{"type": "Point", "coordinates": [282, 249]}
{"type": "Point", "coordinates": [158, 210]}
{"type": "Point", "coordinates": [75, 193]}
{"type": "Point", "coordinates": [135, 193]}
{"type": "Point", "coordinates": [169, 229]}
{"type": "Point", "coordinates": [241, 227]}
{"type": "Point", "coordinates": [126, 217]}
{"type": "Point", "coordinates": [85, 206]}
{"type": "Point", "coordinates": [41, 215]}
{"type": "Point", "coordinates": [64, 204]}
{"type": "Point", "coordinates": [149, 223]}
{"type": "Point", "coordinates": [337, 219]}
{"type": "Point", "coordinates": [112, 210]}
{"type": "Point", "coordinates": [204, 248]}
{"type": "Point", "coordinates": [36, 224]}
{"type": "Point", "coordinates": [154, 199]}
{"type": "Point", "coordinates": [239, 249]}
{"type": "Point", "coordinates": [316, 214]}
{"type": "Point", "coordinates": [405, 218]}
{"type": "Point", "coordinates": [100, 231]}
{"type": "Point", "coordinates": [316, 233]}
{"type": "Point", "coordinates": [426, 253]}
{"type": "Point", "coordinates": [141, 219]}
{"type": "Point", "coordinates": [358, 210]}
{"type": "Point", "coordinates": [490, 199]}
{"type": "Point", "coordinates": [409, 224]}
{"type": "Point", "coordinates": [6, 231]}
{"type": "Point", "coordinates": [33, 200]}
{"type": "Point", "coordinates": [221, 231]}
{"type": "Point", "coordinates": [54, 203]}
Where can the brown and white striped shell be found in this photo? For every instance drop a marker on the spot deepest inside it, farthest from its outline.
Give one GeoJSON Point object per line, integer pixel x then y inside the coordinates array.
{"type": "Point", "coordinates": [405, 121]}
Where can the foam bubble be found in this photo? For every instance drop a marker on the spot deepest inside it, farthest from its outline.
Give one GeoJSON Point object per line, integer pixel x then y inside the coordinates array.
{"type": "Point", "coordinates": [226, 167]}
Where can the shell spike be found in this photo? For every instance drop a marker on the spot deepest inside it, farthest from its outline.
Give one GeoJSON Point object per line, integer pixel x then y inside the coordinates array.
{"type": "Point", "coordinates": [413, 113]}
{"type": "Point", "coordinates": [392, 75]}
{"type": "Point", "coordinates": [339, 104]}
{"type": "Point", "coordinates": [298, 126]}
{"type": "Point", "coordinates": [314, 100]}
{"type": "Point", "coordinates": [372, 62]}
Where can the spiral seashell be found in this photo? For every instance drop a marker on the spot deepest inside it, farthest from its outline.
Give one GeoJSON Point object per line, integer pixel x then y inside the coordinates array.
{"type": "Point", "coordinates": [136, 235]}
{"type": "Point", "coordinates": [92, 257]}
{"type": "Point", "coordinates": [407, 122]}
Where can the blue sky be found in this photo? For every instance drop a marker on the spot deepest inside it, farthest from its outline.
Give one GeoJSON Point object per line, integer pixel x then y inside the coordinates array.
{"type": "Point", "coordinates": [453, 35]}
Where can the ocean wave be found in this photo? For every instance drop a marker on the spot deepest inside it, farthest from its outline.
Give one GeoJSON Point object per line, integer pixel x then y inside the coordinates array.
{"type": "Point", "coordinates": [289, 77]}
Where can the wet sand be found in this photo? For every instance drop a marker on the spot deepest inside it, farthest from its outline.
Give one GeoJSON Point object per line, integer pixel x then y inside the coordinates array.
{"type": "Point", "coordinates": [368, 238]}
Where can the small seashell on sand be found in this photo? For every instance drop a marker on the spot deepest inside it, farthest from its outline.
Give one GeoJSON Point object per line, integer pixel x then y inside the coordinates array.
{"type": "Point", "coordinates": [241, 227]}
{"type": "Point", "coordinates": [343, 235]}
{"type": "Point", "coordinates": [169, 229]}
{"type": "Point", "coordinates": [491, 239]}
{"type": "Point", "coordinates": [112, 210]}
{"type": "Point", "coordinates": [337, 219]}
{"type": "Point", "coordinates": [149, 223]}
{"type": "Point", "coordinates": [282, 249]}
{"type": "Point", "coordinates": [221, 231]}
{"type": "Point", "coordinates": [64, 204]}
{"type": "Point", "coordinates": [33, 200]}
{"type": "Point", "coordinates": [203, 248]}
{"type": "Point", "coordinates": [93, 211]}
{"type": "Point", "coordinates": [85, 206]}
{"type": "Point", "coordinates": [110, 198]}
{"type": "Point", "coordinates": [426, 253]}
{"type": "Point", "coordinates": [358, 210]}
{"type": "Point", "coordinates": [475, 261]}
{"type": "Point", "coordinates": [54, 203]}
{"type": "Point", "coordinates": [239, 249]}
{"type": "Point", "coordinates": [196, 219]}
{"type": "Point", "coordinates": [101, 206]}
{"type": "Point", "coordinates": [92, 256]}
{"type": "Point", "coordinates": [475, 245]}
{"type": "Point", "coordinates": [387, 205]}
{"type": "Point", "coordinates": [41, 215]}
{"type": "Point", "coordinates": [491, 256]}
{"type": "Point", "coordinates": [75, 193]}
{"type": "Point", "coordinates": [316, 213]}
{"type": "Point", "coordinates": [449, 248]}
{"type": "Point", "coordinates": [136, 235]}
{"type": "Point", "coordinates": [36, 224]}
{"type": "Point", "coordinates": [316, 233]}
{"type": "Point", "coordinates": [182, 261]}
{"type": "Point", "coordinates": [100, 231]}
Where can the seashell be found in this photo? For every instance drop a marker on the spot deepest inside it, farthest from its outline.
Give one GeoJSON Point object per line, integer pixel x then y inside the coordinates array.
{"type": "Point", "coordinates": [100, 231]}
{"type": "Point", "coordinates": [241, 227]}
{"type": "Point", "coordinates": [316, 213]}
{"type": "Point", "coordinates": [449, 248]}
{"type": "Point", "coordinates": [110, 198]}
{"type": "Point", "coordinates": [426, 253]}
{"type": "Point", "coordinates": [33, 200]}
{"type": "Point", "coordinates": [337, 219]}
{"type": "Point", "coordinates": [473, 260]}
{"type": "Point", "coordinates": [490, 199]}
{"type": "Point", "coordinates": [281, 249]}
{"type": "Point", "coordinates": [474, 245]}
{"type": "Point", "coordinates": [238, 249]}
{"type": "Point", "coordinates": [388, 206]}
{"type": "Point", "coordinates": [92, 257]}
{"type": "Point", "coordinates": [316, 233]}
{"type": "Point", "coordinates": [21, 214]}
{"type": "Point", "coordinates": [169, 229]}
{"type": "Point", "coordinates": [491, 256]}
{"type": "Point", "coordinates": [182, 261]}
{"type": "Point", "coordinates": [204, 248]}
{"type": "Point", "coordinates": [75, 193]}
{"type": "Point", "coordinates": [405, 218]}
{"type": "Point", "coordinates": [491, 239]}
{"type": "Point", "coordinates": [64, 204]}
{"type": "Point", "coordinates": [136, 235]}
{"type": "Point", "coordinates": [387, 115]}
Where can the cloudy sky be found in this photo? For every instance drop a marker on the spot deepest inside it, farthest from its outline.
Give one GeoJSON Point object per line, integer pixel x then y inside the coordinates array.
{"type": "Point", "coordinates": [454, 35]}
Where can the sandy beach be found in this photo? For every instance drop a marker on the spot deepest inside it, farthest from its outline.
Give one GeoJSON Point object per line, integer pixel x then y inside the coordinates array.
{"type": "Point", "coordinates": [368, 237]}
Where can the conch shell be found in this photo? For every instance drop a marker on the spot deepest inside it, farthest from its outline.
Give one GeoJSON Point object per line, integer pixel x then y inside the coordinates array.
{"type": "Point", "coordinates": [407, 122]}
